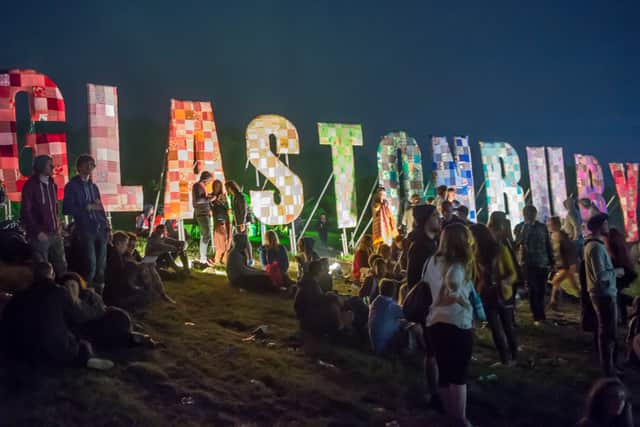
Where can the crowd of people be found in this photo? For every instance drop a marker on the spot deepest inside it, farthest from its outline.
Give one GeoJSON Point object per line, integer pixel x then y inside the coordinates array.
{"type": "Point", "coordinates": [422, 285]}
{"type": "Point", "coordinates": [67, 292]}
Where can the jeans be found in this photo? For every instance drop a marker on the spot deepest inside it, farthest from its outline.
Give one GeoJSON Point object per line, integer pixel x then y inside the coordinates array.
{"type": "Point", "coordinates": [500, 321]}
{"type": "Point", "coordinates": [605, 308]}
{"type": "Point", "coordinates": [537, 283]}
{"type": "Point", "coordinates": [94, 252]}
{"type": "Point", "coordinates": [50, 250]}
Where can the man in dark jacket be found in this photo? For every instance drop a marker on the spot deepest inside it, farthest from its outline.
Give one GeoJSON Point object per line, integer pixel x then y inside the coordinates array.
{"type": "Point", "coordinates": [535, 255]}
{"type": "Point", "coordinates": [424, 241]}
{"type": "Point", "coordinates": [82, 202]}
{"type": "Point", "coordinates": [39, 215]}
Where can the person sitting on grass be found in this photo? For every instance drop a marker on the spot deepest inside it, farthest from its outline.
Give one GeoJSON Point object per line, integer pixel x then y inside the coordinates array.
{"type": "Point", "coordinates": [132, 253]}
{"type": "Point", "coordinates": [122, 289]}
{"type": "Point", "coordinates": [361, 257]}
{"type": "Point", "coordinates": [240, 274]}
{"type": "Point", "coordinates": [633, 334]}
{"type": "Point", "coordinates": [389, 330]}
{"type": "Point", "coordinates": [167, 249]}
{"type": "Point", "coordinates": [371, 286]}
{"type": "Point", "coordinates": [272, 253]}
{"type": "Point", "coordinates": [319, 313]}
{"type": "Point", "coordinates": [306, 254]}
{"type": "Point", "coordinates": [608, 404]}
{"type": "Point", "coordinates": [35, 328]}
{"type": "Point", "coordinates": [107, 327]}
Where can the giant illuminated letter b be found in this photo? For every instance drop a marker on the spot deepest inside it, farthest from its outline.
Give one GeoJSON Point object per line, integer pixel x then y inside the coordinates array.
{"type": "Point", "coordinates": [288, 184]}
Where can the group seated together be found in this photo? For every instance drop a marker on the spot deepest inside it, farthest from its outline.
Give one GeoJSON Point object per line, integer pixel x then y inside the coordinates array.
{"type": "Point", "coordinates": [422, 284]}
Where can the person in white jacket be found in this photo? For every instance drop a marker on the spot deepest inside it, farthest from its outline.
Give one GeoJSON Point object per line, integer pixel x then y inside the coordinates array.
{"type": "Point", "coordinates": [449, 274]}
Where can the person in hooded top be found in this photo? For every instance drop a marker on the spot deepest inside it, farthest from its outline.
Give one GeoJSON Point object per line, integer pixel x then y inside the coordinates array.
{"type": "Point", "coordinates": [39, 215]}
{"type": "Point", "coordinates": [239, 272]}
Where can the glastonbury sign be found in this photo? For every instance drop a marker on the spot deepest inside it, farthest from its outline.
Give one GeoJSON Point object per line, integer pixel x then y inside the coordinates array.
{"type": "Point", "coordinates": [193, 146]}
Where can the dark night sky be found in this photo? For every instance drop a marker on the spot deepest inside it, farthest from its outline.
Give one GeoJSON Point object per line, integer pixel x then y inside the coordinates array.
{"type": "Point", "coordinates": [548, 73]}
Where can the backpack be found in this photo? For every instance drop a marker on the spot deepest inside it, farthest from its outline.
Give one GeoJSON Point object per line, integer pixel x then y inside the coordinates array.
{"type": "Point", "coordinates": [418, 301]}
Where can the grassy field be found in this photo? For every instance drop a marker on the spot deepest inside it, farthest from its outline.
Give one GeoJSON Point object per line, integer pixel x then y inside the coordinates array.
{"type": "Point", "coordinates": [206, 375]}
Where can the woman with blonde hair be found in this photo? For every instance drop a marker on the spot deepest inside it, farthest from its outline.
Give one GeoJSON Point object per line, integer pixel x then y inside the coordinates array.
{"type": "Point", "coordinates": [450, 274]}
{"type": "Point", "coordinates": [361, 256]}
{"type": "Point", "coordinates": [221, 223]}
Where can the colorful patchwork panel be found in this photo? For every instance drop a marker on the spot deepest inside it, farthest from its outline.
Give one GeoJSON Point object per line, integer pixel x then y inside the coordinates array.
{"type": "Point", "coordinates": [495, 156]}
{"type": "Point", "coordinates": [455, 172]}
{"type": "Point", "coordinates": [288, 184]}
{"type": "Point", "coordinates": [104, 146]}
{"type": "Point", "coordinates": [539, 182]}
{"type": "Point", "coordinates": [193, 144]}
{"type": "Point", "coordinates": [342, 138]}
{"type": "Point", "coordinates": [627, 188]}
{"type": "Point", "coordinates": [388, 175]}
{"type": "Point", "coordinates": [45, 105]}
{"type": "Point", "coordinates": [558, 180]}
{"type": "Point", "coordinates": [590, 181]}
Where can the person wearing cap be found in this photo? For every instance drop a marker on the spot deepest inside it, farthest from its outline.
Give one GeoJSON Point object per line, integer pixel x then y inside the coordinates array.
{"type": "Point", "coordinates": [202, 213]}
{"type": "Point", "coordinates": [39, 215]}
{"type": "Point", "coordinates": [601, 286]}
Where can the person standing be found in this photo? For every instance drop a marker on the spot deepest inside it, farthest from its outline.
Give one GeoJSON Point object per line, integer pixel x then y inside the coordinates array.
{"type": "Point", "coordinates": [82, 202]}
{"type": "Point", "coordinates": [323, 230]}
{"type": "Point", "coordinates": [450, 275]}
{"type": "Point", "coordinates": [565, 258]}
{"type": "Point", "coordinates": [533, 247]}
{"type": "Point", "coordinates": [601, 285]}
{"type": "Point", "coordinates": [39, 215]}
{"type": "Point", "coordinates": [240, 211]}
{"type": "Point", "coordinates": [201, 202]}
{"type": "Point", "coordinates": [384, 224]}
{"type": "Point", "coordinates": [407, 216]}
{"type": "Point", "coordinates": [221, 223]}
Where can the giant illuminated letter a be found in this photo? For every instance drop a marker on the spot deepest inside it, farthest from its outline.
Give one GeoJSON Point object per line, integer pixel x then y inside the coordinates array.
{"type": "Point", "coordinates": [45, 105]}
{"type": "Point", "coordinates": [193, 148]}
{"type": "Point", "coordinates": [288, 184]}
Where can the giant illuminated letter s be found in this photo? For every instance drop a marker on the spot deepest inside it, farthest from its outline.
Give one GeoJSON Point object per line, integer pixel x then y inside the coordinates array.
{"type": "Point", "coordinates": [288, 184]}
{"type": "Point", "coordinates": [45, 105]}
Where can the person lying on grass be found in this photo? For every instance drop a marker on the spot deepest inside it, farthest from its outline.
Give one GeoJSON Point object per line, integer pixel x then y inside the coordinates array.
{"type": "Point", "coordinates": [106, 327]}
{"type": "Point", "coordinates": [319, 313]}
{"type": "Point", "coordinates": [389, 330]}
{"type": "Point", "coordinates": [35, 325]}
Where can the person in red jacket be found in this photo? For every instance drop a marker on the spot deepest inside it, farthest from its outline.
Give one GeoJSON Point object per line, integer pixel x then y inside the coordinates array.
{"type": "Point", "coordinates": [39, 215]}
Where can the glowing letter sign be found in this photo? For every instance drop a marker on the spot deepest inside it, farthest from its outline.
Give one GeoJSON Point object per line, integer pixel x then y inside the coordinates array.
{"type": "Point", "coordinates": [501, 166]}
{"type": "Point", "coordinates": [342, 138]}
{"type": "Point", "coordinates": [388, 167]}
{"type": "Point", "coordinates": [193, 141]}
{"type": "Point", "coordinates": [455, 172]}
{"type": "Point", "coordinates": [104, 145]}
{"type": "Point", "coordinates": [288, 184]}
{"type": "Point", "coordinates": [627, 188]}
{"type": "Point", "coordinates": [589, 181]}
{"type": "Point", "coordinates": [46, 105]}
